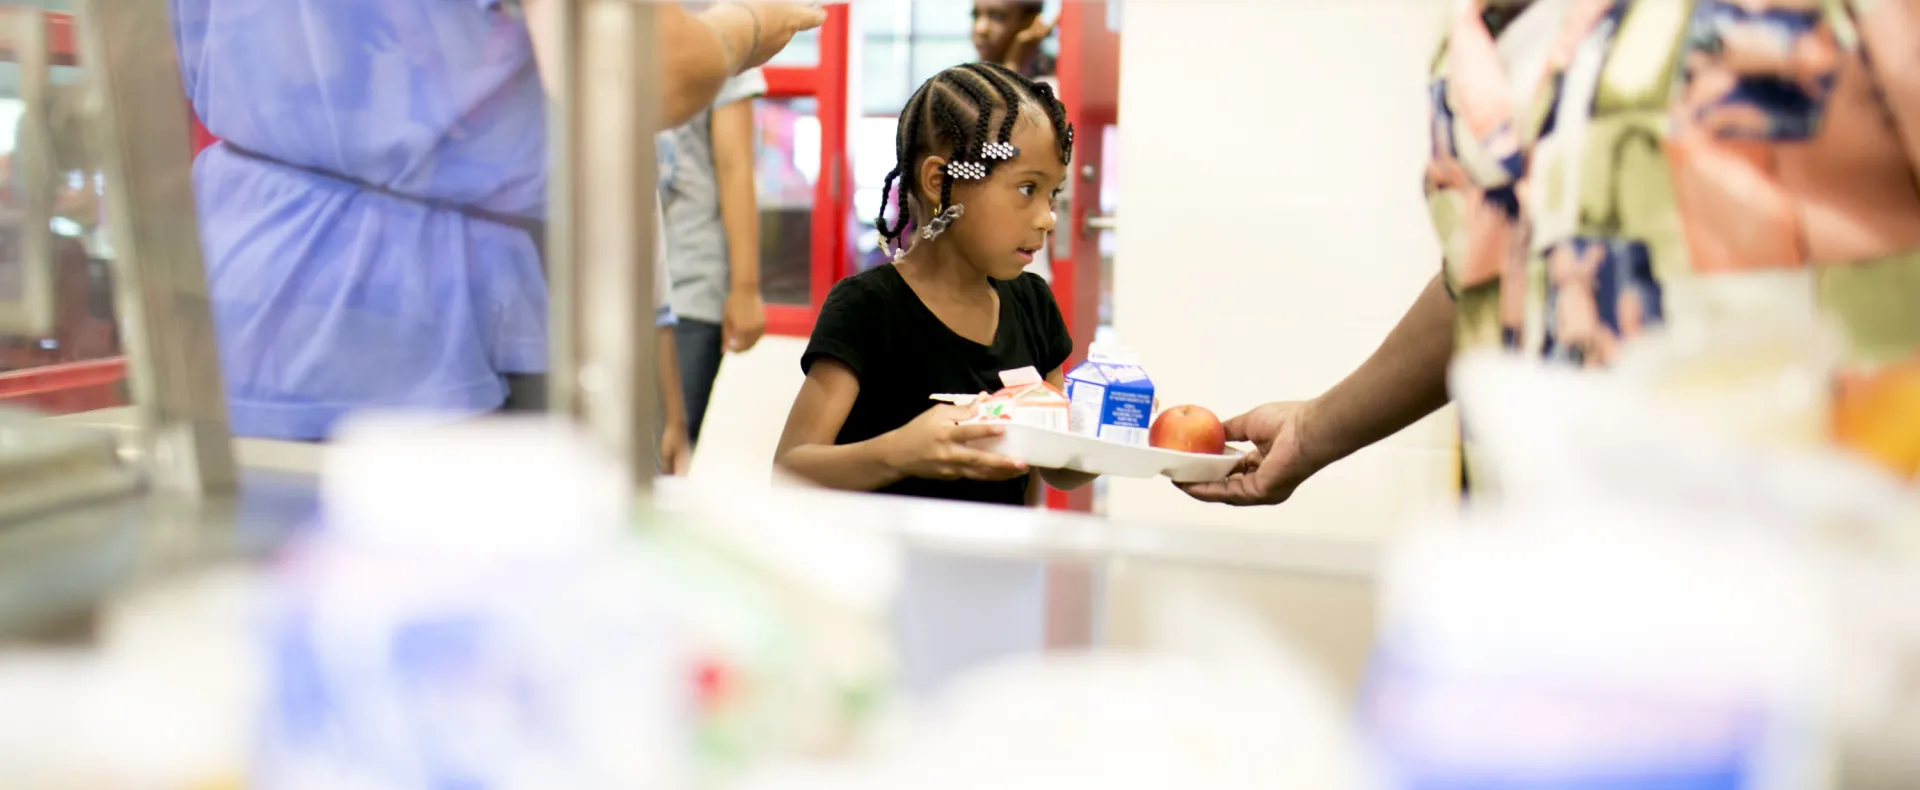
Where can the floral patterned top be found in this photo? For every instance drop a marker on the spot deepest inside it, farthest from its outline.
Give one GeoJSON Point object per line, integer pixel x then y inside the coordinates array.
{"type": "Point", "coordinates": [1672, 139]}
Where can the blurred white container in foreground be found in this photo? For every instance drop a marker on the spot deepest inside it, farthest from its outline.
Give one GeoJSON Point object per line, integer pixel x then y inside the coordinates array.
{"type": "Point", "coordinates": [467, 616]}
{"type": "Point", "coordinates": [1614, 650]}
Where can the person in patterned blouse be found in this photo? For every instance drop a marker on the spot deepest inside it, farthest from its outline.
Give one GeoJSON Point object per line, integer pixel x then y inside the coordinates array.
{"type": "Point", "coordinates": [1591, 158]}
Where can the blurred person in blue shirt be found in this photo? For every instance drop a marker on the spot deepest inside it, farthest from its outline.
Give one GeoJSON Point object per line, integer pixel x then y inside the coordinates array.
{"type": "Point", "coordinates": [373, 218]}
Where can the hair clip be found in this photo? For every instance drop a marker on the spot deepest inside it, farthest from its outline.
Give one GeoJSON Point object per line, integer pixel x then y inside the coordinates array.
{"type": "Point", "coordinates": [969, 171]}
{"type": "Point", "coordinates": [1001, 151]}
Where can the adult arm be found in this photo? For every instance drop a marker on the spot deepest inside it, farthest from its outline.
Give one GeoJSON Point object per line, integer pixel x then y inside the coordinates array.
{"type": "Point", "coordinates": [745, 316]}
{"type": "Point", "coordinates": [698, 52]}
{"type": "Point", "coordinates": [1404, 380]}
{"type": "Point", "coordinates": [1890, 30]}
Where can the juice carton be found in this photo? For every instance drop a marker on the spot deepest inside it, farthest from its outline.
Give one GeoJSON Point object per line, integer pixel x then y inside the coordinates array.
{"type": "Point", "coordinates": [1111, 396]}
{"type": "Point", "coordinates": [1025, 398]}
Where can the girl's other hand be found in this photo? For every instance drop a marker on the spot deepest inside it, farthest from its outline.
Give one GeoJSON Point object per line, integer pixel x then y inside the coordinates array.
{"type": "Point", "coordinates": [935, 446]}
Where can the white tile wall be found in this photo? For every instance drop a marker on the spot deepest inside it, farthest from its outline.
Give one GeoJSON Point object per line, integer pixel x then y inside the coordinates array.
{"type": "Point", "coordinates": [1272, 227]}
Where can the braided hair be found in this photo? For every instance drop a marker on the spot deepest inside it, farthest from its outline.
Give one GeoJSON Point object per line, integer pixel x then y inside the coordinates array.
{"type": "Point", "coordinates": [953, 115]}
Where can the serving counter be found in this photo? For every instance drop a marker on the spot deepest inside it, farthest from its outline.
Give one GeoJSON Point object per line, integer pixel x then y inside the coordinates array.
{"type": "Point", "coordinates": [979, 582]}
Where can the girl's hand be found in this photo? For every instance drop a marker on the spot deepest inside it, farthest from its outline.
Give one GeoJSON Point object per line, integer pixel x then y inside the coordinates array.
{"type": "Point", "coordinates": [934, 446]}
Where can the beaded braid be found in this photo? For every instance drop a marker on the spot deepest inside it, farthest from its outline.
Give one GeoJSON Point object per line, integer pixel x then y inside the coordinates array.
{"type": "Point", "coordinates": [1057, 112]}
{"type": "Point", "coordinates": [1007, 98]}
{"type": "Point", "coordinates": [951, 127]}
{"type": "Point", "coordinates": [880, 222]}
{"type": "Point", "coordinates": [981, 118]}
{"type": "Point", "coordinates": [1044, 96]}
{"type": "Point", "coordinates": [935, 111]}
{"type": "Point", "coordinates": [909, 131]}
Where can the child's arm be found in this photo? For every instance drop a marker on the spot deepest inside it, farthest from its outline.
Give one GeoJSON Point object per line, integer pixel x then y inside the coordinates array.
{"type": "Point", "coordinates": [932, 446]}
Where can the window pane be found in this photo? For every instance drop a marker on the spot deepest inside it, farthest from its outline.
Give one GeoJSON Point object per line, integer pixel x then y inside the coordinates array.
{"type": "Point", "coordinates": [885, 78]}
{"type": "Point", "coordinates": [803, 51]}
{"type": "Point", "coordinates": [787, 164]}
{"type": "Point", "coordinates": [932, 55]}
{"type": "Point", "coordinates": [942, 18]}
{"type": "Point", "coordinates": [891, 17]}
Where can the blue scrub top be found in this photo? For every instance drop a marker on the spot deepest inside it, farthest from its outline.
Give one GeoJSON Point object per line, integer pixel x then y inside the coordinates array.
{"type": "Point", "coordinates": [329, 297]}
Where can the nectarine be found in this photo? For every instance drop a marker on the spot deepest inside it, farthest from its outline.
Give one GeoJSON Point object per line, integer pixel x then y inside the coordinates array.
{"type": "Point", "coordinates": [1188, 429]}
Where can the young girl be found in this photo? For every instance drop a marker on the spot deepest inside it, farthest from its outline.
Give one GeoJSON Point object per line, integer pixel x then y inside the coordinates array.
{"type": "Point", "coordinates": [982, 153]}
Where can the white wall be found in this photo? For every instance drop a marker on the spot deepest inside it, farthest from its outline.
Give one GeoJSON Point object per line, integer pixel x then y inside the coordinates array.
{"type": "Point", "coordinates": [1273, 230]}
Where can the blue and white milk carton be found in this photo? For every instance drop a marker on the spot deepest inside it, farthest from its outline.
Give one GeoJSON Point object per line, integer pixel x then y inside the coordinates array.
{"type": "Point", "coordinates": [1111, 396]}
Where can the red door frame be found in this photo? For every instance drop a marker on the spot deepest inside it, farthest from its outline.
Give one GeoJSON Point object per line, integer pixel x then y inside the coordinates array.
{"type": "Point", "coordinates": [826, 82]}
{"type": "Point", "coordinates": [61, 50]}
{"type": "Point", "coordinates": [1089, 74]}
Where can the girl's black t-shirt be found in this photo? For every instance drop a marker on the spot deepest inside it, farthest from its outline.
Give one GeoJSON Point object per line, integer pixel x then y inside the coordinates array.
{"type": "Point", "coordinates": [902, 353]}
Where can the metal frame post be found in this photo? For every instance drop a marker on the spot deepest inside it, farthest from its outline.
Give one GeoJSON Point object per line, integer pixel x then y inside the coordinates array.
{"type": "Point", "coordinates": [603, 223]}
{"type": "Point", "coordinates": [160, 291]}
{"type": "Point", "coordinates": [34, 313]}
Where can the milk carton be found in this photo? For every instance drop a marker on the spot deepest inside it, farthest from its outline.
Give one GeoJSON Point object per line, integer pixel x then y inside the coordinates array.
{"type": "Point", "coordinates": [1111, 396]}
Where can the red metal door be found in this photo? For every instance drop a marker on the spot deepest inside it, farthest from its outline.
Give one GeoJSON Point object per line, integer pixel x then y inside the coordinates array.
{"type": "Point", "coordinates": [1089, 73]}
{"type": "Point", "coordinates": [825, 81]}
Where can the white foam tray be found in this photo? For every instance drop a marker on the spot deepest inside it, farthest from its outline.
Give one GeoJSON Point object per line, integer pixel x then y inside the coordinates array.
{"type": "Point", "coordinates": [1044, 449]}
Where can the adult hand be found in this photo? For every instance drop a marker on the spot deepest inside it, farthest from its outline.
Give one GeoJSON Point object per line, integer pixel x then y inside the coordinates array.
{"type": "Point", "coordinates": [777, 24]}
{"type": "Point", "coordinates": [676, 453]}
{"type": "Point", "coordinates": [743, 320]}
{"type": "Point", "coordinates": [1027, 42]}
{"type": "Point", "coordinates": [936, 446]}
{"type": "Point", "coordinates": [1278, 464]}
